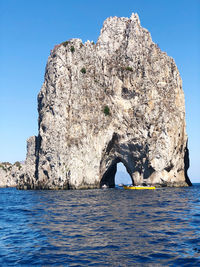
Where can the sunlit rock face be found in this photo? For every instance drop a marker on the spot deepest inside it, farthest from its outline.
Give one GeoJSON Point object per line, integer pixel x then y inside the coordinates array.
{"type": "Point", "coordinates": [119, 100]}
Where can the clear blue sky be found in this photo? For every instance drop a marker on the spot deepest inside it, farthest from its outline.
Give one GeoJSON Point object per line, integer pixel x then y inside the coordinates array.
{"type": "Point", "coordinates": [29, 29]}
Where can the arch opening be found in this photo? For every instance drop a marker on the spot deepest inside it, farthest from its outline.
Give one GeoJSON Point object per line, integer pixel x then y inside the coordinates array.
{"type": "Point", "coordinates": [122, 176]}
{"type": "Point", "coordinates": [116, 174]}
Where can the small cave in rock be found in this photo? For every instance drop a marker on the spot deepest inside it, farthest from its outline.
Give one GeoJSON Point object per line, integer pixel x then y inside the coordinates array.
{"type": "Point", "coordinates": [116, 174]}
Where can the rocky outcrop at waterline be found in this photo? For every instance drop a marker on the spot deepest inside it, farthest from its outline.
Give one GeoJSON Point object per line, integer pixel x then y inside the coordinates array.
{"type": "Point", "coordinates": [10, 173]}
{"type": "Point", "coordinates": [119, 100]}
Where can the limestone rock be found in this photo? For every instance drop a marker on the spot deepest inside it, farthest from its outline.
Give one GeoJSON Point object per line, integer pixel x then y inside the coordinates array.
{"type": "Point", "coordinates": [119, 100]}
{"type": "Point", "coordinates": [9, 174]}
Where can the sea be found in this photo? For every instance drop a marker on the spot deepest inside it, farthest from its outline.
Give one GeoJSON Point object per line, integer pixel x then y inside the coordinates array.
{"type": "Point", "coordinates": [110, 227]}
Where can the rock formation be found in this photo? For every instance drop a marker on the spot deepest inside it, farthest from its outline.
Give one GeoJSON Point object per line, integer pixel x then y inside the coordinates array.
{"type": "Point", "coordinates": [10, 173]}
{"type": "Point", "coordinates": [119, 100]}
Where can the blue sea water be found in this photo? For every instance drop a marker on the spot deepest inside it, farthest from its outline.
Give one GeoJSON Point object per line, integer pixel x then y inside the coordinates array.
{"type": "Point", "coordinates": [111, 227]}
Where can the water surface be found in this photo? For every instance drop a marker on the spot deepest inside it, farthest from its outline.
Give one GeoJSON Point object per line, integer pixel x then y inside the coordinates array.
{"type": "Point", "coordinates": [112, 227]}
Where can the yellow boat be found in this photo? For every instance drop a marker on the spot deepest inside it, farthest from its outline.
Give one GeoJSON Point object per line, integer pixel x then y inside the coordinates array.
{"type": "Point", "coordinates": [138, 187]}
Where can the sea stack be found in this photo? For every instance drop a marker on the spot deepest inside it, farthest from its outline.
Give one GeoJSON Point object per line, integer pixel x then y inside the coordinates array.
{"type": "Point", "coordinates": [119, 100]}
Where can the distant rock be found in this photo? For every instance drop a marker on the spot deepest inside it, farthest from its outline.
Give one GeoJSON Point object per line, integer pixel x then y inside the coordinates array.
{"type": "Point", "coordinates": [10, 173]}
{"type": "Point", "coordinates": [119, 100]}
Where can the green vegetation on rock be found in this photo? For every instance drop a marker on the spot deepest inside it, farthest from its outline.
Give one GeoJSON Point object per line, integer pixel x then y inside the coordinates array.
{"type": "Point", "coordinates": [65, 43]}
{"type": "Point", "coordinates": [18, 164]}
{"type": "Point", "coordinates": [83, 70]}
{"type": "Point", "coordinates": [72, 49]}
{"type": "Point", "coordinates": [106, 110]}
{"type": "Point", "coordinates": [129, 68]}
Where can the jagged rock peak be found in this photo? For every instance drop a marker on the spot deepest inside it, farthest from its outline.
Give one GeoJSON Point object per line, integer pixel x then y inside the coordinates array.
{"type": "Point", "coordinates": [135, 17]}
{"type": "Point", "coordinates": [117, 32]}
{"type": "Point", "coordinates": [119, 100]}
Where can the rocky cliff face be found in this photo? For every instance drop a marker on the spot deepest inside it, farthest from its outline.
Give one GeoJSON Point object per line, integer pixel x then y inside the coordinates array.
{"type": "Point", "coordinates": [119, 100]}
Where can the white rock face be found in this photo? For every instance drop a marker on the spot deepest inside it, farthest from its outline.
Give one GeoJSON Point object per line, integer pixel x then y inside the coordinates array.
{"type": "Point", "coordinates": [119, 100]}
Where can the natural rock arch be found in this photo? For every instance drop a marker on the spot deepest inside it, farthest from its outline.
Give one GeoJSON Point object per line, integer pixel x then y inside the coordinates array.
{"type": "Point", "coordinates": [108, 178]}
{"type": "Point", "coordinates": [133, 155]}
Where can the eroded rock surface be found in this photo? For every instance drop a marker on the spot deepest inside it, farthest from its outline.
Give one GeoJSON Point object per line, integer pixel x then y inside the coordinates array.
{"type": "Point", "coordinates": [119, 100]}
